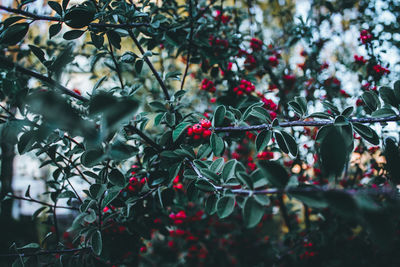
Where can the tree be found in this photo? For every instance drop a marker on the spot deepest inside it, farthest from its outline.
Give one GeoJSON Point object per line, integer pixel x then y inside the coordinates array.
{"type": "Point", "coordinates": [235, 157]}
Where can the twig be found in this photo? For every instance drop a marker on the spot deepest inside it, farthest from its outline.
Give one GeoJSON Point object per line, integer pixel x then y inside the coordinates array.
{"type": "Point", "coordinates": [59, 19]}
{"type": "Point", "coordinates": [189, 44]}
{"type": "Point", "coordinates": [151, 66]}
{"type": "Point", "coordinates": [302, 123]}
{"type": "Point", "coordinates": [47, 252]}
{"type": "Point", "coordinates": [41, 202]}
{"type": "Point", "coordinates": [117, 69]}
{"type": "Point", "coordinates": [144, 137]}
{"type": "Point", "coordinates": [42, 78]}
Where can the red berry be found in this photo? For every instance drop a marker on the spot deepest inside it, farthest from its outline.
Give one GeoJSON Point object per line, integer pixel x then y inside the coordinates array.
{"type": "Point", "coordinates": [197, 129]}
{"type": "Point", "coordinates": [206, 134]}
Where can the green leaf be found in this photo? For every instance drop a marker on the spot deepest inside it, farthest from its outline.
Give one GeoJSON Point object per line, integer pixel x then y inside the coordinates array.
{"type": "Point", "coordinates": [217, 144]}
{"type": "Point", "coordinates": [262, 199]}
{"type": "Point", "coordinates": [333, 152]}
{"type": "Point", "coordinates": [388, 96]}
{"type": "Point", "coordinates": [78, 17]}
{"type": "Point", "coordinates": [347, 112]}
{"type": "Point", "coordinates": [383, 112]}
{"type": "Point", "coordinates": [229, 170]}
{"type": "Point", "coordinates": [281, 142]}
{"type": "Point", "coordinates": [310, 196]}
{"type": "Point", "coordinates": [210, 205]}
{"type": "Point", "coordinates": [179, 130]}
{"type": "Point", "coordinates": [392, 156]}
{"type": "Point", "coordinates": [74, 34]}
{"type": "Point", "coordinates": [115, 39]}
{"type": "Point", "coordinates": [39, 53]}
{"type": "Point", "coordinates": [366, 132]}
{"type": "Point", "coordinates": [116, 178]}
{"type": "Point", "coordinates": [110, 195]}
{"type": "Point", "coordinates": [302, 101]}
{"type": "Point", "coordinates": [217, 165]}
{"type": "Point", "coordinates": [320, 115]}
{"type": "Point", "coordinates": [371, 100]}
{"type": "Point", "coordinates": [396, 90]}
{"type": "Point", "coordinates": [14, 34]}
{"type": "Point", "coordinates": [97, 243]}
{"type": "Point", "coordinates": [91, 158]}
{"type": "Point", "coordinates": [158, 106]}
{"type": "Point", "coordinates": [263, 139]}
{"type": "Point", "coordinates": [252, 212]}
{"type": "Point", "coordinates": [291, 143]}
{"type": "Point", "coordinates": [139, 66]}
{"type": "Point", "coordinates": [204, 185]}
{"type": "Point", "coordinates": [274, 172]}
{"type": "Point", "coordinates": [296, 108]}
{"type": "Point", "coordinates": [54, 30]}
{"type": "Point", "coordinates": [260, 113]}
{"type": "Point", "coordinates": [56, 7]}
{"type": "Point", "coordinates": [225, 206]}
{"type": "Point", "coordinates": [219, 116]}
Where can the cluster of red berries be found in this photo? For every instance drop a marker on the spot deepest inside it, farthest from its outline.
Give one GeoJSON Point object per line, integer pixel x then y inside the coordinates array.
{"type": "Point", "coordinates": [223, 18]}
{"type": "Point", "coordinates": [332, 81]}
{"type": "Point", "coordinates": [289, 79]}
{"type": "Point", "coordinates": [369, 87]}
{"type": "Point", "coordinates": [256, 44]}
{"type": "Point", "coordinates": [245, 87]}
{"type": "Point", "coordinates": [200, 130]}
{"type": "Point", "coordinates": [176, 184]}
{"type": "Point", "coordinates": [344, 93]}
{"type": "Point", "coordinates": [218, 43]}
{"type": "Point", "coordinates": [265, 155]}
{"type": "Point", "coordinates": [250, 62]}
{"type": "Point", "coordinates": [273, 61]}
{"type": "Point", "coordinates": [179, 217]}
{"type": "Point", "coordinates": [365, 36]}
{"type": "Point", "coordinates": [379, 70]}
{"type": "Point", "coordinates": [207, 85]}
{"type": "Point", "coordinates": [307, 254]}
{"type": "Point", "coordinates": [135, 184]}
{"type": "Point", "coordinates": [359, 59]}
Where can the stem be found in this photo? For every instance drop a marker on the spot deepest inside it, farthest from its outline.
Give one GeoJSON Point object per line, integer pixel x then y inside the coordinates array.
{"type": "Point", "coordinates": [59, 19]}
{"type": "Point", "coordinates": [42, 78]}
{"type": "Point", "coordinates": [117, 69]}
{"type": "Point", "coordinates": [47, 252]}
{"type": "Point", "coordinates": [189, 45]}
{"type": "Point", "coordinates": [151, 66]}
{"type": "Point", "coordinates": [144, 137]}
{"type": "Point", "coordinates": [319, 123]}
{"type": "Point", "coordinates": [41, 202]}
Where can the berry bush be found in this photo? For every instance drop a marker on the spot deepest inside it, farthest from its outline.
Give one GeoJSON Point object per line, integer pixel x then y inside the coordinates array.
{"type": "Point", "coordinates": [214, 133]}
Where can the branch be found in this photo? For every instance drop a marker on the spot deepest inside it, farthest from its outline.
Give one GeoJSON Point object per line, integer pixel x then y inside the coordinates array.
{"type": "Point", "coordinates": [46, 252]}
{"type": "Point", "coordinates": [59, 19]}
{"type": "Point", "coordinates": [294, 189]}
{"type": "Point", "coordinates": [47, 80]}
{"type": "Point", "coordinates": [144, 137]}
{"type": "Point", "coordinates": [189, 45]}
{"type": "Point", "coordinates": [41, 202]}
{"type": "Point", "coordinates": [151, 66]}
{"type": "Point", "coordinates": [320, 123]}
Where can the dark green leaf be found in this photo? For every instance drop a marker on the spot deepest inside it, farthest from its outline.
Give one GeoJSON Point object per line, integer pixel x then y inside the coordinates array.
{"type": "Point", "coordinates": [219, 116]}
{"type": "Point", "coordinates": [252, 212]}
{"type": "Point", "coordinates": [217, 144]}
{"type": "Point", "coordinates": [116, 178]}
{"type": "Point", "coordinates": [179, 130]}
{"type": "Point", "coordinates": [74, 34]}
{"type": "Point", "coordinates": [274, 172]}
{"type": "Point", "coordinates": [225, 206]}
{"type": "Point", "coordinates": [97, 243]}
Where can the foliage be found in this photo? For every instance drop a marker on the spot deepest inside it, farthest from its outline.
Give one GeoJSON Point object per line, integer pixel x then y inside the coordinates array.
{"type": "Point", "coordinates": [235, 157]}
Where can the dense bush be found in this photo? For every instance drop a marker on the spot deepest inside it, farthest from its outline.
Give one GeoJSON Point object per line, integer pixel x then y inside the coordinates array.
{"type": "Point", "coordinates": [216, 133]}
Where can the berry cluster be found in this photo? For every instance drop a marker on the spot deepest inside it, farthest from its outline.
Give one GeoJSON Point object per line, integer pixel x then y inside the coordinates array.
{"type": "Point", "coordinates": [223, 18]}
{"type": "Point", "coordinates": [218, 43]}
{"type": "Point", "coordinates": [245, 87]}
{"type": "Point", "coordinates": [289, 79]}
{"type": "Point", "coordinates": [359, 59]}
{"type": "Point", "coordinates": [179, 217]}
{"type": "Point", "coordinates": [207, 85]}
{"type": "Point", "coordinates": [256, 44]}
{"type": "Point", "coordinates": [265, 155]}
{"type": "Point", "coordinates": [365, 36]}
{"type": "Point", "coordinates": [250, 62]}
{"type": "Point", "coordinates": [273, 61]}
{"type": "Point", "coordinates": [200, 130]}
{"type": "Point", "coordinates": [135, 184]}
{"type": "Point", "coordinates": [177, 185]}
{"type": "Point", "coordinates": [379, 70]}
